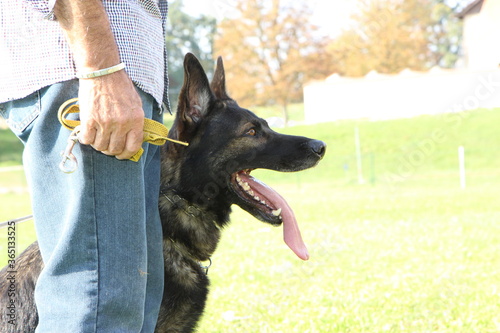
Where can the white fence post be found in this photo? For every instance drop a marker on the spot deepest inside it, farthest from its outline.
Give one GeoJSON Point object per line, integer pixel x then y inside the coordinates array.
{"type": "Point", "coordinates": [461, 165]}
{"type": "Point", "coordinates": [358, 156]}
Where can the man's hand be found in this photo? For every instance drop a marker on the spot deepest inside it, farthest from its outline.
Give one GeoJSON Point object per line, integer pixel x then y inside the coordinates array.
{"type": "Point", "coordinates": [111, 112]}
{"type": "Point", "coordinates": [111, 115]}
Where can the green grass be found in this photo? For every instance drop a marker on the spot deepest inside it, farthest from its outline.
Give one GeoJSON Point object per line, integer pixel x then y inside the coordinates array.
{"type": "Point", "coordinates": [10, 148]}
{"type": "Point", "coordinates": [382, 260]}
{"type": "Point", "coordinates": [407, 251]}
{"type": "Point", "coordinates": [406, 152]}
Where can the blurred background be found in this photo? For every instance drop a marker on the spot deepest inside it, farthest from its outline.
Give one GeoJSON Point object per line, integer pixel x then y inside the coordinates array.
{"type": "Point", "coordinates": [402, 216]}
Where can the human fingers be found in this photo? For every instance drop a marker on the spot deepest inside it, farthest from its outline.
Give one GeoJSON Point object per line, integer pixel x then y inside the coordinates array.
{"type": "Point", "coordinates": [133, 143]}
{"type": "Point", "coordinates": [102, 140]}
{"type": "Point", "coordinates": [87, 134]}
{"type": "Point", "coordinates": [116, 143]}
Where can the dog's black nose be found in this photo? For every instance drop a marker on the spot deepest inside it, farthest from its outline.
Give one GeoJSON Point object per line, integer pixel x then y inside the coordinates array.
{"type": "Point", "coordinates": [318, 147]}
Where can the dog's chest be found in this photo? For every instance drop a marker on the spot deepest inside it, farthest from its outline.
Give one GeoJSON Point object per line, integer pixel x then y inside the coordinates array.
{"type": "Point", "coordinates": [191, 230]}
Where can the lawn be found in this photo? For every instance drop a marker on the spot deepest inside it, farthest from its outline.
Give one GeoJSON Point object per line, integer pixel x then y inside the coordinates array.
{"type": "Point", "coordinates": [406, 251]}
{"type": "Point", "coordinates": [382, 260]}
{"type": "Point", "coordinates": [10, 148]}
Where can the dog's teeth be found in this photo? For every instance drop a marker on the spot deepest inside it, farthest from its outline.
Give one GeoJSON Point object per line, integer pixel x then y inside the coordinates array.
{"type": "Point", "coordinates": [256, 198]}
{"type": "Point", "coordinates": [263, 202]}
{"type": "Point", "coordinates": [251, 192]}
{"type": "Point", "coordinates": [246, 187]}
{"type": "Point", "coordinates": [277, 212]}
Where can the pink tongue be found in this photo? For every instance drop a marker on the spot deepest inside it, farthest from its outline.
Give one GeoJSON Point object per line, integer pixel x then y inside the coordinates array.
{"type": "Point", "coordinates": [291, 232]}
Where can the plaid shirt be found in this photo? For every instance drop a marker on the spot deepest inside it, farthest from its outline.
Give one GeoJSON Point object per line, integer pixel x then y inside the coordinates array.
{"type": "Point", "coordinates": [35, 54]}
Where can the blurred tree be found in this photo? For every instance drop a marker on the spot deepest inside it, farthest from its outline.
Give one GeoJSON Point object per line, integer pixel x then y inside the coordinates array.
{"type": "Point", "coordinates": [390, 35]}
{"type": "Point", "coordinates": [187, 34]}
{"type": "Point", "coordinates": [271, 48]}
{"type": "Point", "coordinates": [445, 36]}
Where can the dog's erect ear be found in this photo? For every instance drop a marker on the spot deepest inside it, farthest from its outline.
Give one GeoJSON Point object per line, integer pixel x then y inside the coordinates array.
{"type": "Point", "coordinates": [218, 84]}
{"type": "Point", "coordinates": [195, 96]}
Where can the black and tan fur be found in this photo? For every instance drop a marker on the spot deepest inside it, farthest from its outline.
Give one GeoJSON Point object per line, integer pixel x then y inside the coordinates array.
{"type": "Point", "coordinates": [198, 187]}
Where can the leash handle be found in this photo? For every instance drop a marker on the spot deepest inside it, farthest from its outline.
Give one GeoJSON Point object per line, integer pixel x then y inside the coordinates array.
{"type": "Point", "coordinates": [66, 109]}
{"type": "Point", "coordinates": [154, 132]}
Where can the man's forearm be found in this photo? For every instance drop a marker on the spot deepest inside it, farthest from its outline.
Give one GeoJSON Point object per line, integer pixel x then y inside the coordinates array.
{"type": "Point", "coordinates": [87, 29]}
{"type": "Point", "coordinates": [110, 108]}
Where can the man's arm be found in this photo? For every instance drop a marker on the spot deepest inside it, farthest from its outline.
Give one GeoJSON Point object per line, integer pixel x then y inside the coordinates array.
{"type": "Point", "coordinates": [110, 107]}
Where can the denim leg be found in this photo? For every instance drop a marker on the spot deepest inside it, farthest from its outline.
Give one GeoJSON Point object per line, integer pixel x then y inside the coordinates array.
{"type": "Point", "coordinates": [98, 228]}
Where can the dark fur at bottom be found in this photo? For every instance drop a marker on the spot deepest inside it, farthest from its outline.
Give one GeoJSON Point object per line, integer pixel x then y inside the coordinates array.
{"type": "Point", "coordinates": [198, 186]}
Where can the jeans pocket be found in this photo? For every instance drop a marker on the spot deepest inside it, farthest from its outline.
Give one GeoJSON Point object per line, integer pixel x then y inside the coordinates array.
{"type": "Point", "coordinates": [20, 113]}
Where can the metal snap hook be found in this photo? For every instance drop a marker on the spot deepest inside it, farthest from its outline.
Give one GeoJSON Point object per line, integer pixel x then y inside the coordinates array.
{"type": "Point", "coordinates": [69, 163]}
{"type": "Point", "coordinates": [66, 167]}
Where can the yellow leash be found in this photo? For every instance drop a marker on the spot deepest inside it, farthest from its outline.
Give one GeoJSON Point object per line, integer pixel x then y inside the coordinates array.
{"type": "Point", "coordinates": [154, 132]}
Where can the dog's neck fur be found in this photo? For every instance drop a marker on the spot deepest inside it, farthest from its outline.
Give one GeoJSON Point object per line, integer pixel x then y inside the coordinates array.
{"type": "Point", "coordinates": [189, 229]}
{"type": "Point", "coordinates": [175, 199]}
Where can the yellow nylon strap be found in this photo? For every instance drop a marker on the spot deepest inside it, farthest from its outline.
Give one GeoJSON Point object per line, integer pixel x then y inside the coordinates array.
{"type": "Point", "coordinates": [154, 132]}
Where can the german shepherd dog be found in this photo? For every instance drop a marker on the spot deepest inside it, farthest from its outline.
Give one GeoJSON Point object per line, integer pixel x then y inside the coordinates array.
{"type": "Point", "coordinates": [199, 183]}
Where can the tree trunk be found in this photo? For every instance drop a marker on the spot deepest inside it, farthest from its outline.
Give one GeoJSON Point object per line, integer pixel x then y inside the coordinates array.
{"type": "Point", "coordinates": [284, 111]}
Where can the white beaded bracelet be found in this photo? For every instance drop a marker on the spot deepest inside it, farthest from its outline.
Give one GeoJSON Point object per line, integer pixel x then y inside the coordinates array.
{"type": "Point", "coordinates": [102, 72]}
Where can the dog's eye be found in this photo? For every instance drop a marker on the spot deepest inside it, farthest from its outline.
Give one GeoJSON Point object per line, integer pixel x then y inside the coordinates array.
{"type": "Point", "coordinates": [251, 132]}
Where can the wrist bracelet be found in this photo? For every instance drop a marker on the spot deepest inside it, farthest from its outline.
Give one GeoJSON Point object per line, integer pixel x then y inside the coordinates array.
{"type": "Point", "coordinates": [102, 72]}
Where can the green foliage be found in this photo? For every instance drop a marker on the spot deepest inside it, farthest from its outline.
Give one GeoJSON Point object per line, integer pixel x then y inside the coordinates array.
{"type": "Point", "coordinates": [444, 34]}
{"type": "Point", "coordinates": [187, 34]}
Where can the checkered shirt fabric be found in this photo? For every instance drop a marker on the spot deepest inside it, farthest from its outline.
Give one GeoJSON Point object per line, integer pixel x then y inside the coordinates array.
{"type": "Point", "coordinates": [35, 54]}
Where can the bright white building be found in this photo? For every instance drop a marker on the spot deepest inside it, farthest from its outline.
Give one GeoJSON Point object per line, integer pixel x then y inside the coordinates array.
{"type": "Point", "coordinates": [481, 35]}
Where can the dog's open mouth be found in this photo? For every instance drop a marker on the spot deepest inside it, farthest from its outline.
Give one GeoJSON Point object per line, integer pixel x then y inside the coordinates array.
{"type": "Point", "coordinates": [271, 207]}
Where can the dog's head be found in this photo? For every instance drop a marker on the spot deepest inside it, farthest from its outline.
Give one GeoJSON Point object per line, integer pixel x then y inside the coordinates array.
{"type": "Point", "coordinates": [227, 142]}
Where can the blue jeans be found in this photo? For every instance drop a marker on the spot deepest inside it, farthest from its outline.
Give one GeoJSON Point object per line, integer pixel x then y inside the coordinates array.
{"type": "Point", "coordinates": [98, 228]}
